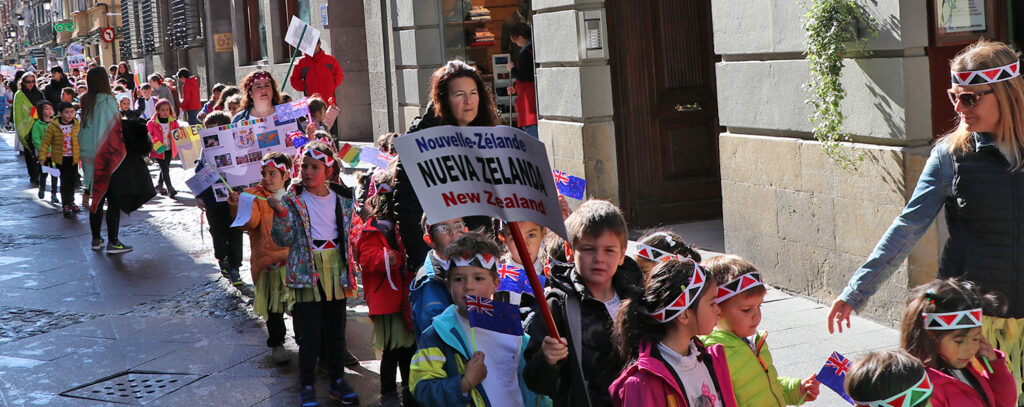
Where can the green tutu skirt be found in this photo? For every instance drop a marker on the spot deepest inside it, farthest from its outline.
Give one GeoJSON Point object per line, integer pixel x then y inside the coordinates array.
{"type": "Point", "coordinates": [389, 332]}
{"type": "Point", "coordinates": [272, 296]}
{"type": "Point", "coordinates": [1006, 335]}
{"type": "Point", "coordinates": [332, 278]}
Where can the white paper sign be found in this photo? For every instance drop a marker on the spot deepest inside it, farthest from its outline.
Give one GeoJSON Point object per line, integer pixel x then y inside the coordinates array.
{"type": "Point", "coordinates": [245, 202]}
{"type": "Point", "coordinates": [54, 172]}
{"type": "Point", "coordinates": [202, 180]}
{"type": "Point", "coordinates": [237, 149]}
{"type": "Point", "coordinates": [76, 61]}
{"type": "Point", "coordinates": [75, 48]}
{"type": "Point", "coordinates": [309, 39]}
{"type": "Point", "coordinates": [493, 171]}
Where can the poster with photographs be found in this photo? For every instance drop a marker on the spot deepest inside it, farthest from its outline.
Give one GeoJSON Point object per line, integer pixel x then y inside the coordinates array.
{"type": "Point", "coordinates": [237, 149]}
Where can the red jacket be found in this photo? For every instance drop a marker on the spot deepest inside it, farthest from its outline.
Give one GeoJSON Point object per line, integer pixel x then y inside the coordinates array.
{"type": "Point", "coordinates": [649, 383]}
{"type": "Point", "coordinates": [317, 74]}
{"type": "Point", "coordinates": [190, 94]}
{"type": "Point", "coordinates": [156, 133]}
{"type": "Point", "coordinates": [999, 387]}
{"type": "Point", "coordinates": [386, 288]}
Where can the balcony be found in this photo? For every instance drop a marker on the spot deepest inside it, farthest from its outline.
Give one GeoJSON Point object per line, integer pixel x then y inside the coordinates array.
{"type": "Point", "coordinates": [90, 20]}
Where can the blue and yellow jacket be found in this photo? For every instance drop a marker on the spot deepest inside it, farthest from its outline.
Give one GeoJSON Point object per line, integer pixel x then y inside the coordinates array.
{"type": "Point", "coordinates": [437, 368]}
{"type": "Point", "coordinates": [428, 293]}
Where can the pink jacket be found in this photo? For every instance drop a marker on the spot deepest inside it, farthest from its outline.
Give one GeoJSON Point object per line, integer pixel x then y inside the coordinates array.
{"type": "Point", "coordinates": [649, 383]}
{"type": "Point", "coordinates": [999, 387]}
{"type": "Point", "coordinates": [157, 134]}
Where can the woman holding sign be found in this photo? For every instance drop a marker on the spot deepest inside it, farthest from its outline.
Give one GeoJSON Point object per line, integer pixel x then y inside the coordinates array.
{"type": "Point", "coordinates": [459, 98]}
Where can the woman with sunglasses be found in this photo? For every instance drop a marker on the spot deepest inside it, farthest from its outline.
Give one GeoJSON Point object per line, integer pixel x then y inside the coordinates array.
{"type": "Point", "coordinates": [24, 102]}
{"type": "Point", "coordinates": [976, 172]}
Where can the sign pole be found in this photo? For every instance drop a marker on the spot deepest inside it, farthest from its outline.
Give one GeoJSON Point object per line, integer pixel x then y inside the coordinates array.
{"type": "Point", "coordinates": [294, 54]}
{"type": "Point", "coordinates": [531, 273]}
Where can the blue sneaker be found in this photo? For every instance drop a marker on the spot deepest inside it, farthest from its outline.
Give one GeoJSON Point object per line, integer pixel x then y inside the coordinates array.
{"type": "Point", "coordinates": [307, 397]}
{"type": "Point", "coordinates": [341, 392]}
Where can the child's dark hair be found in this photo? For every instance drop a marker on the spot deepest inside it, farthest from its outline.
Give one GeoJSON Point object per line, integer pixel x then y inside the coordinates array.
{"type": "Point", "coordinates": [670, 242]}
{"type": "Point", "coordinates": [146, 87]}
{"type": "Point", "coordinates": [593, 218]}
{"type": "Point", "coordinates": [385, 142]}
{"type": "Point", "coordinates": [382, 204]}
{"type": "Point", "coordinates": [219, 87]}
{"type": "Point", "coordinates": [316, 104]}
{"type": "Point", "coordinates": [727, 267]}
{"type": "Point", "coordinates": [216, 118]}
{"type": "Point", "coordinates": [64, 105]}
{"type": "Point", "coordinates": [68, 90]}
{"type": "Point", "coordinates": [322, 135]}
{"type": "Point", "coordinates": [941, 295]}
{"type": "Point", "coordinates": [883, 374]}
{"type": "Point", "coordinates": [471, 244]}
{"type": "Point", "coordinates": [41, 103]}
{"type": "Point", "coordinates": [184, 73]}
{"type": "Point", "coordinates": [281, 158]}
{"type": "Point", "coordinates": [520, 30]}
{"type": "Point", "coordinates": [665, 283]}
{"type": "Point", "coordinates": [555, 246]}
{"type": "Point", "coordinates": [156, 77]}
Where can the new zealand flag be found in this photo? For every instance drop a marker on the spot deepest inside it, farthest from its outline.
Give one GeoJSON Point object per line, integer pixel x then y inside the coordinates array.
{"type": "Point", "coordinates": [493, 315]}
{"type": "Point", "coordinates": [514, 279]}
{"type": "Point", "coordinates": [569, 185]}
{"type": "Point", "coordinates": [833, 374]}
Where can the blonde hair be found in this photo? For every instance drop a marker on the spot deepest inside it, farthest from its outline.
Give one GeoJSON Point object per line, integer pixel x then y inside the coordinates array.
{"type": "Point", "coordinates": [1009, 93]}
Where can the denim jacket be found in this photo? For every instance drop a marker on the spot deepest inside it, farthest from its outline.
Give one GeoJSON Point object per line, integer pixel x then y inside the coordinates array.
{"type": "Point", "coordinates": [933, 188]}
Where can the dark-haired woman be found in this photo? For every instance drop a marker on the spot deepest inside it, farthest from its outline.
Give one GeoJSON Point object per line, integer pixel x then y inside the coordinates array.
{"type": "Point", "coordinates": [24, 101]}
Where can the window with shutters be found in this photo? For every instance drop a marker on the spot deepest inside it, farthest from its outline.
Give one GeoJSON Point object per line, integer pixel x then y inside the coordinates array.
{"type": "Point", "coordinates": [186, 28]}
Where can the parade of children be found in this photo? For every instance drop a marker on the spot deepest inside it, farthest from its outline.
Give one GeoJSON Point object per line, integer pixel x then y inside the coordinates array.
{"type": "Point", "coordinates": [526, 299]}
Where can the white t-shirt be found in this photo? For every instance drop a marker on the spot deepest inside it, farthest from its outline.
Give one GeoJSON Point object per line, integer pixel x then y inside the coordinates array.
{"type": "Point", "coordinates": [68, 146]}
{"type": "Point", "coordinates": [612, 306]}
{"type": "Point", "coordinates": [166, 129]}
{"type": "Point", "coordinates": [150, 110]}
{"type": "Point", "coordinates": [501, 356]}
{"type": "Point", "coordinates": [322, 217]}
{"type": "Point", "coordinates": [700, 389]}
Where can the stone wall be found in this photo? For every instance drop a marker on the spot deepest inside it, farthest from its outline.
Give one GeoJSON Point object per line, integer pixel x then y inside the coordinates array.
{"type": "Point", "coordinates": [806, 222]}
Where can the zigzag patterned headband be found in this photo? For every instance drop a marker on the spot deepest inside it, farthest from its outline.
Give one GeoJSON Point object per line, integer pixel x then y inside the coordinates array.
{"type": "Point", "coordinates": [325, 158]}
{"type": "Point", "coordinates": [690, 293]}
{"type": "Point", "coordinates": [282, 167]}
{"type": "Point", "coordinates": [656, 255]}
{"type": "Point", "coordinates": [739, 284]}
{"type": "Point", "coordinates": [259, 76]}
{"type": "Point", "coordinates": [916, 396]}
{"type": "Point", "coordinates": [481, 260]}
{"type": "Point", "coordinates": [947, 321]}
{"type": "Point", "coordinates": [986, 76]}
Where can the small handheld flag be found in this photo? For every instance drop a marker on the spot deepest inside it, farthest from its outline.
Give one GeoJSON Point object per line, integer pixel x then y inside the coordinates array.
{"type": "Point", "coordinates": [349, 154]}
{"type": "Point", "coordinates": [833, 374]}
{"type": "Point", "coordinates": [493, 315]}
{"type": "Point", "coordinates": [569, 185]}
{"type": "Point", "coordinates": [513, 279]}
{"type": "Point", "coordinates": [159, 147]}
{"type": "Point", "coordinates": [376, 157]}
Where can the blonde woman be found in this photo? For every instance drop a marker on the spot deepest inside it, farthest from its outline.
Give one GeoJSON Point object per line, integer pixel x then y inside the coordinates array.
{"type": "Point", "coordinates": [976, 172]}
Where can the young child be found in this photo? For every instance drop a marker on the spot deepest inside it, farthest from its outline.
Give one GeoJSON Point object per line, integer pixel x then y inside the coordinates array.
{"type": "Point", "coordinates": [149, 101]}
{"type": "Point", "coordinates": [160, 128]}
{"type": "Point", "coordinates": [754, 378]}
{"type": "Point", "coordinates": [533, 234]}
{"type": "Point", "coordinates": [45, 111]}
{"type": "Point", "coordinates": [318, 213]}
{"type": "Point", "coordinates": [942, 328]}
{"type": "Point", "coordinates": [658, 331]}
{"type": "Point", "coordinates": [590, 292]}
{"type": "Point", "coordinates": [227, 241]}
{"type": "Point", "coordinates": [124, 104]}
{"type": "Point", "coordinates": [234, 104]}
{"type": "Point", "coordinates": [428, 294]}
{"type": "Point", "coordinates": [60, 147]}
{"type": "Point", "coordinates": [386, 287]}
{"type": "Point", "coordinates": [457, 365]}
{"type": "Point", "coordinates": [268, 259]}
{"type": "Point", "coordinates": [208, 107]}
{"type": "Point", "coordinates": [318, 113]}
{"type": "Point", "coordinates": [662, 245]}
{"type": "Point", "coordinates": [890, 378]}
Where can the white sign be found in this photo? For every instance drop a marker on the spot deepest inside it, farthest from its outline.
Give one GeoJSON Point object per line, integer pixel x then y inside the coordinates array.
{"type": "Point", "coordinates": [237, 149]}
{"type": "Point", "coordinates": [54, 172]}
{"type": "Point", "coordinates": [962, 15]}
{"type": "Point", "coordinates": [300, 35]}
{"type": "Point", "coordinates": [75, 49]}
{"type": "Point", "coordinates": [245, 202]}
{"type": "Point", "coordinates": [76, 61]}
{"type": "Point", "coordinates": [492, 171]}
{"type": "Point", "coordinates": [203, 179]}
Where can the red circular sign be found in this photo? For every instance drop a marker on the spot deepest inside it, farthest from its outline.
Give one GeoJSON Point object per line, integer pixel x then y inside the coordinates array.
{"type": "Point", "coordinates": [107, 34]}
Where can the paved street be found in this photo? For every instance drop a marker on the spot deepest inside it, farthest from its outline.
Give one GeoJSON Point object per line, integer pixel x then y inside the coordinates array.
{"type": "Point", "coordinates": [71, 318]}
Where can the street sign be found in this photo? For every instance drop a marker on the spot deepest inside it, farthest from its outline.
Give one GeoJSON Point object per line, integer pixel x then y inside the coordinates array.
{"type": "Point", "coordinates": [38, 52]}
{"type": "Point", "coordinates": [323, 15]}
{"type": "Point", "coordinates": [107, 34]}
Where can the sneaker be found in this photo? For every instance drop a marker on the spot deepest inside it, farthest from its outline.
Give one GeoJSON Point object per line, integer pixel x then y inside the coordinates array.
{"type": "Point", "coordinates": [235, 279]}
{"type": "Point", "coordinates": [118, 248]}
{"type": "Point", "coordinates": [54, 200]}
{"type": "Point", "coordinates": [278, 355]}
{"type": "Point", "coordinates": [223, 264]}
{"type": "Point", "coordinates": [161, 190]}
{"type": "Point", "coordinates": [67, 212]}
{"type": "Point", "coordinates": [97, 244]}
{"type": "Point", "coordinates": [171, 192]}
{"type": "Point", "coordinates": [307, 397]}
{"type": "Point", "coordinates": [42, 193]}
{"type": "Point", "coordinates": [75, 208]}
{"type": "Point", "coordinates": [390, 400]}
{"type": "Point", "coordinates": [341, 392]}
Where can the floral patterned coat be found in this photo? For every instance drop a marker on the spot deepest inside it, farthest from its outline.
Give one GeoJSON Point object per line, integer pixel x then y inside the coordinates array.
{"type": "Point", "coordinates": [293, 231]}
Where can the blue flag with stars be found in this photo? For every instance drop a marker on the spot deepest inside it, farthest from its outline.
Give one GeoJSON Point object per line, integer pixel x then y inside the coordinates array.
{"type": "Point", "coordinates": [569, 185]}
{"type": "Point", "coordinates": [493, 315]}
{"type": "Point", "coordinates": [833, 374]}
{"type": "Point", "coordinates": [514, 279]}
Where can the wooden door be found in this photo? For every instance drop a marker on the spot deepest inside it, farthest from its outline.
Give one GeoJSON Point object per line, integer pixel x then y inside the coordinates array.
{"type": "Point", "coordinates": [666, 113]}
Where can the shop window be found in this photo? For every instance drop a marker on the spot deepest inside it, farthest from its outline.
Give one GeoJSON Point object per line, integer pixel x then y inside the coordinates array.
{"type": "Point", "coordinates": [255, 31]}
{"type": "Point", "coordinates": [476, 31]}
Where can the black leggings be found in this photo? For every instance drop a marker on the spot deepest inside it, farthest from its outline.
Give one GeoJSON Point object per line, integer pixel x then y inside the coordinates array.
{"type": "Point", "coordinates": [113, 219]}
{"type": "Point", "coordinates": [391, 360]}
{"type": "Point", "coordinates": [165, 171]}
{"type": "Point", "coordinates": [68, 178]}
{"type": "Point", "coordinates": [276, 329]}
{"type": "Point", "coordinates": [43, 175]}
{"type": "Point", "coordinates": [319, 326]}
{"type": "Point", "coordinates": [28, 152]}
{"type": "Point", "coordinates": [227, 241]}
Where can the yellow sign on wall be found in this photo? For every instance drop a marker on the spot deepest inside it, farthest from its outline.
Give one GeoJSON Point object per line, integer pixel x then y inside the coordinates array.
{"type": "Point", "coordinates": [222, 42]}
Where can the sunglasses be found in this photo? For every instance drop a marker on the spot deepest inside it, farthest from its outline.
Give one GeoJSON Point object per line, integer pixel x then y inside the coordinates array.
{"type": "Point", "coordinates": [971, 99]}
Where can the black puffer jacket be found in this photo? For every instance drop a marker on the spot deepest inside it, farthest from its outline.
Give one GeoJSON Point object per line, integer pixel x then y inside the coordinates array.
{"type": "Point", "coordinates": [562, 382]}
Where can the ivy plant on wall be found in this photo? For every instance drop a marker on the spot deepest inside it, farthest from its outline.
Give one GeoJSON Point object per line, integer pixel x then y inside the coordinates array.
{"type": "Point", "coordinates": [832, 31]}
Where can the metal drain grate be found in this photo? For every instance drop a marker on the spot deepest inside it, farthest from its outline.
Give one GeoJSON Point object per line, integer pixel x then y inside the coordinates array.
{"type": "Point", "coordinates": [133, 387]}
